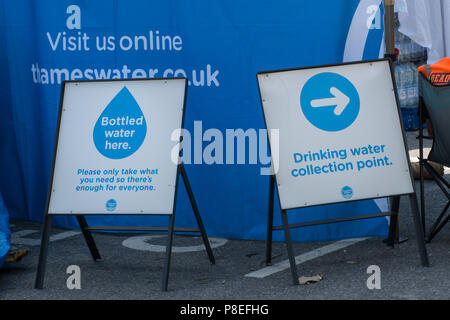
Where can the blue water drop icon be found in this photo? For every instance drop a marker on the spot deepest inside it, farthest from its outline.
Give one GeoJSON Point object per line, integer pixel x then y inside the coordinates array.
{"type": "Point", "coordinates": [121, 128]}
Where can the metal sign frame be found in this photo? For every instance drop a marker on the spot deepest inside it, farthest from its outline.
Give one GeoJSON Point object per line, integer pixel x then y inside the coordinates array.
{"type": "Point", "coordinates": [395, 198]}
{"type": "Point", "coordinates": [86, 229]}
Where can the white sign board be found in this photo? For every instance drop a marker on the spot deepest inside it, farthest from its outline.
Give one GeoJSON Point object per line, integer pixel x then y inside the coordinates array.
{"type": "Point", "coordinates": [114, 146]}
{"type": "Point", "coordinates": [340, 136]}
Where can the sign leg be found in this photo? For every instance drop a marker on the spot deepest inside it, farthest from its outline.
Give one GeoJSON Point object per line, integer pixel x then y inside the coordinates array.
{"type": "Point", "coordinates": [421, 164]}
{"type": "Point", "coordinates": [395, 207]}
{"type": "Point", "coordinates": [436, 226]}
{"type": "Point", "coordinates": [197, 215]}
{"type": "Point", "coordinates": [39, 284]}
{"type": "Point", "coordinates": [419, 230]}
{"type": "Point", "coordinates": [394, 235]}
{"type": "Point", "coordinates": [422, 196]}
{"type": "Point", "coordinates": [270, 220]}
{"type": "Point", "coordinates": [165, 282]}
{"type": "Point", "coordinates": [393, 225]}
{"type": "Point", "coordinates": [290, 250]}
{"type": "Point", "coordinates": [88, 237]}
{"type": "Point", "coordinates": [393, 221]}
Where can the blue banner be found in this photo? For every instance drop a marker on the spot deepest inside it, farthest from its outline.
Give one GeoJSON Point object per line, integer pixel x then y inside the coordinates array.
{"type": "Point", "coordinates": [219, 46]}
{"type": "Point", "coordinates": [5, 233]}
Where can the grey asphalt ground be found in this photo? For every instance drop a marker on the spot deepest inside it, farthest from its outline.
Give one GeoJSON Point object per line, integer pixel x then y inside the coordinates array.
{"type": "Point", "coordinates": [126, 273]}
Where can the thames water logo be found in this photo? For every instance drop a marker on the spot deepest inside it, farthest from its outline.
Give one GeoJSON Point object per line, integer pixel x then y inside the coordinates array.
{"type": "Point", "coordinates": [347, 192]}
{"type": "Point", "coordinates": [121, 128]}
{"type": "Point", "coordinates": [111, 205]}
{"type": "Point", "coordinates": [330, 101]}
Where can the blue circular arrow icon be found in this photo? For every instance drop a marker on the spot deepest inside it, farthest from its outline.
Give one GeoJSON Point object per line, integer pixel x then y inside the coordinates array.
{"type": "Point", "coordinates": [330, 101]}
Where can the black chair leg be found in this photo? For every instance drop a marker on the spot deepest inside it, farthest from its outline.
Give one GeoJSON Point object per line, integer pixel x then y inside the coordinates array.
{"type": "Point", "coordinates": [436, 226]}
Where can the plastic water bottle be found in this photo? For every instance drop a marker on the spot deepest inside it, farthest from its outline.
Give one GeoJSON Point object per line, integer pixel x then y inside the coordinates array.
{"type": "Point", "coordinates": [401, 56]}
{"type": "Point", "coordinates": [416, 52]}
{"type": "Point", "coordinates": [398, 80]}
{"type": "Point", "coordinates": [411, 86]}
{"type": "Point", "coordinates": [424, 52]}
{"type": "Point", "coordinates": [401, 85]}
{"type": "Point", "coordinates": [408, 84]}
{"type": "Point", "coordinates": [408, 49]}
{"type": "Point", "coordinates": [399, 37]}
{"type": "Point", "coordinates": [415, 99]}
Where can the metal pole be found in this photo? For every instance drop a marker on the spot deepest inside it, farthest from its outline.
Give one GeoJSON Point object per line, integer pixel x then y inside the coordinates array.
{"type": "Point", "coordinates": [165, 281]}
{"type": "Point", "coordinates": [88, 238]}
{"type": "Point", "coordinates": [389, 40]}
{"type": "Point", "coordinates": [39, 284]}
{"type": "Point", "coordinates": [389, 27]}
{"type": "Point", "coordinates": [444, 39]}
{"type": "Point", "coordinates": [270, 220]}
{"type": "Point", "coordinates": [393, 237]}
{"type": "Point", "coordinates": [422, 188]}
{"type": "Point", "coordinates": [197, 214]}
{"type": "Point", "coordinates": [419, 231]}
{"type": "Point", "coordinates": [290, 250]}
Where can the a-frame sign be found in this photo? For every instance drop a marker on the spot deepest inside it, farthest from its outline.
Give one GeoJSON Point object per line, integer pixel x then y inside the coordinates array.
{"type": "Point", "coordinates": [340, 139]}
{"type": "Point", "coordinates": [117, 152]}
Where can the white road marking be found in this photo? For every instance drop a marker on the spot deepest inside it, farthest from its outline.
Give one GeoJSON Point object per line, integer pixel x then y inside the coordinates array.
{"type": "Point", "coordinates": [142, 243]}
{"type": "Point", "coordinates": [64, 235]}
{"type": "Point", "coordinates": [18, 237]}
{"type": "Point", "coordinates": [283, 265]}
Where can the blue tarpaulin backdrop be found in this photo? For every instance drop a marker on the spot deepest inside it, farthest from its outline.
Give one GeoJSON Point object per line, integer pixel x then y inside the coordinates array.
{"type": "Point", "coordinates": [5, 234]}
{"type": "Point", "coordinates": [218, 45]}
